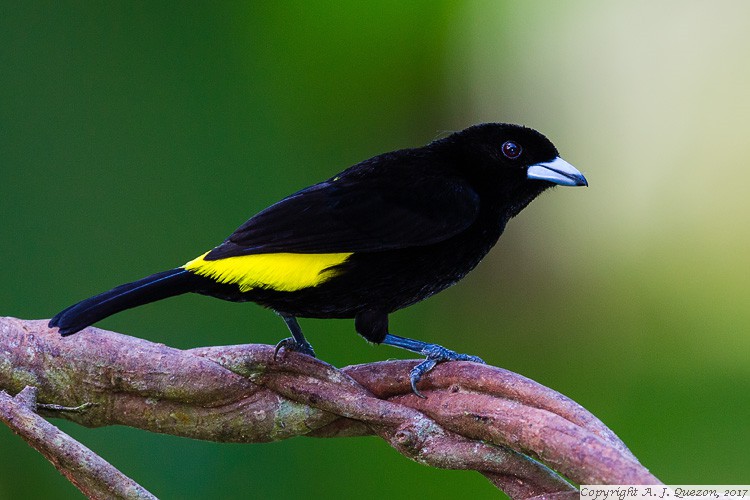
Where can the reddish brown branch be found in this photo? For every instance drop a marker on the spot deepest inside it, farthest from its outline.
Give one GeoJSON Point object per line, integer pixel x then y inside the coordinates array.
{"type": "Point", "coordinates": [475, 416]}
{"type": "Point", "coordinates": [92, 475]}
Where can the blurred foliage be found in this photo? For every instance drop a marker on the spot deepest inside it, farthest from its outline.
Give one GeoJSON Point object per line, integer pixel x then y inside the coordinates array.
{"type": "Point", "coordinates": [135, 135]}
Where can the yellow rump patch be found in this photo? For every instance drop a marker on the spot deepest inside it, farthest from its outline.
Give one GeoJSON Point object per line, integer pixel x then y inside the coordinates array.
{"type": "Point", "coordinates": [285, 272]}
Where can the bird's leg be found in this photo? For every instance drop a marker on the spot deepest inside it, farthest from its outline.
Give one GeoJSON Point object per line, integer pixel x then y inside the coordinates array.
{"type": "Point", "coordinates": [297, 341]}
{"type": "Point", "coordinates": [435, 354]}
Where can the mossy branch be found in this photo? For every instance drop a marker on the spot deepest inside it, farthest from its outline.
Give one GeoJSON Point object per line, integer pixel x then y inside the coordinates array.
{"type": "Point", "coordinates": [509, 428]}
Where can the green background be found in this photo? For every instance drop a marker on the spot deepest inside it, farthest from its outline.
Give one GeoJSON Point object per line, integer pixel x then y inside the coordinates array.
{"type": "Point", "coordinates": [136, 135]}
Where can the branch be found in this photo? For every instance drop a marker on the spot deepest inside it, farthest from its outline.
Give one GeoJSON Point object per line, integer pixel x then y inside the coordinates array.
{"type": "Point", "coordinates": [92, 475]}
{"type": "Point", "coordinates": [509, 428]}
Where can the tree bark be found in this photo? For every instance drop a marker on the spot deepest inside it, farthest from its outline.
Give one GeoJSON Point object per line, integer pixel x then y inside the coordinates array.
{"type": "Point", "coordinates": [525, 438]}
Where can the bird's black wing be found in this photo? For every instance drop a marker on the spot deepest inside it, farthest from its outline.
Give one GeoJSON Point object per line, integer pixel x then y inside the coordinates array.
{"type": "Point", "coordinates": [358, 214]}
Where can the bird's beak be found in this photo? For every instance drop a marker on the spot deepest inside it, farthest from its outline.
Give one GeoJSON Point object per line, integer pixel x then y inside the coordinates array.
{"type": "Point", "coordinates": [557, 171]}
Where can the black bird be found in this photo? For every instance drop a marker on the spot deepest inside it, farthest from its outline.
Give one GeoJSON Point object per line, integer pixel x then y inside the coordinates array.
{"type": "Point", "coordinates": [379, 236]}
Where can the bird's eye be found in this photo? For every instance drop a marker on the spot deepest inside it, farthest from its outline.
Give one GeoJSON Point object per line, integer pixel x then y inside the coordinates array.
{"type": "Point", "coordinates": [512, 149]}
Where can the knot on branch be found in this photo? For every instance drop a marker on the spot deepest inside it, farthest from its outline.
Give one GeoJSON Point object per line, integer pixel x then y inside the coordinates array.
{"type": "Point", "coordinates": [521, 435]}
{"type": "Point", "coordinates": [411, 436]}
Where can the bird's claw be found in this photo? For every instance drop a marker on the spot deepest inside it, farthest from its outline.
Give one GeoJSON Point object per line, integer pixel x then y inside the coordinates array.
{"type": "Point", "coordinates": [436, 354]}
{"type": "Point", "coordinates": [290, 344]}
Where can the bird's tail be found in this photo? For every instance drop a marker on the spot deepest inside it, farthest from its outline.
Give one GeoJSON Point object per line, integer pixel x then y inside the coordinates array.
{"type": "Point", "coordinates": [155, 287]}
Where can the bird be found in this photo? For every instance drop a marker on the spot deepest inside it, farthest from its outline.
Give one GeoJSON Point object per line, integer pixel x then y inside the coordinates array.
{"type": "Point", "coordinates": [379, 236]}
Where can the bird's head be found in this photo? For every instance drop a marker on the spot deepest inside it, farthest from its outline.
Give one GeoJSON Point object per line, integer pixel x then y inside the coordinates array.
{"type": "Point", "coordinates": [510, 162]}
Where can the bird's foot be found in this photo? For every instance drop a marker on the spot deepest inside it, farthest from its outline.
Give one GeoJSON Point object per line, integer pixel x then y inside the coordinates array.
{"type": "Point", "coordinates": [436, 354]}
{"type": "Point", "coordinates": [290, 344]}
